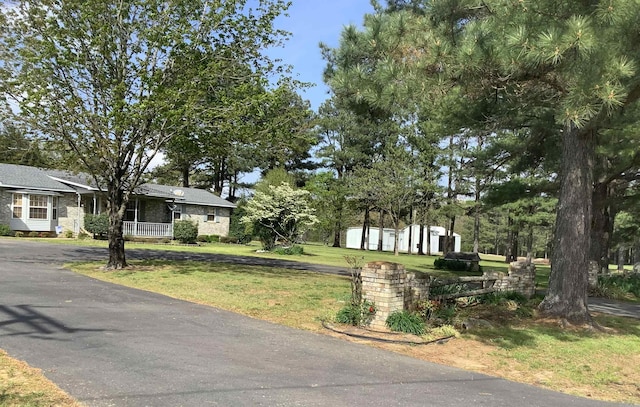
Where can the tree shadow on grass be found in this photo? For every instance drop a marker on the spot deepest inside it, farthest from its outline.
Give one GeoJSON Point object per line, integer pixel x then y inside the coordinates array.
{"type": "Point", "coordinates": [514, 337]}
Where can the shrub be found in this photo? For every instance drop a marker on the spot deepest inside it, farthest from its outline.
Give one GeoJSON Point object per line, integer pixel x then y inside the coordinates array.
{"type": "Point", "coordinates": [228, 239]}
{"type": "Point", "coordinates": [213, 238]}
{"type": "Point", "coordinates": [453, 265]}
{"type": "Point", "coordinates": [19, 234]}
{"type": "Point", "coordinates": [356, 315]}
{"type": "Point", "coordinates": [445, 331]}
{"type": "Point", "coordinates": [293, 250]}
{"type": "Point", "coordinates": [202, 238]}
{"type": "Point", "coordinates": [407, 322]}
{"type": "Point", "coordinates": [165, 240]}
{"type": "Point", "coordinates": [237, 229]}
{"type": "Point", "coordinates": [83, 236]}
{"type": "Point", "coordinates": [33, 234]}
{"type": "Point", "coordinates": [5, 230]}
{"type": "Point", "coordinates": [44, 234]}
{"type": "Point", "coordinates": [619, 286]}
{"type": "Point", "coordinates": [502, 297]}
{"type": "Point", "coordinates": [185, 231]}
{"type": "Point", "coordinates": [68, 234]}
{"type": "Point", "coordinates": [98, 225]}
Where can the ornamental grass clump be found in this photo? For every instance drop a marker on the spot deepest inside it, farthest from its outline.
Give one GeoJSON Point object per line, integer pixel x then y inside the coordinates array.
{"type": "Point", "coordinates": [407, 322]}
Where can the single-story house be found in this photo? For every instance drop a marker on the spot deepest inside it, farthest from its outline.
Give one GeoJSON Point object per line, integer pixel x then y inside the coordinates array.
{"type": "Point", "coordinates": [438, 233]}
{"type": "Point", "coordinates": [40, 200]}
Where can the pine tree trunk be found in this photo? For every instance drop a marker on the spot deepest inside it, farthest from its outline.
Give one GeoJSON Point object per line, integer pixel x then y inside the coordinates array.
{"type": "Point", "coordinates": [364, 239]}
{"type": "Point", "coordinates": [381, 231]}
{"type": "Point", "coordinates": [600, 238]}
{"type": "Point", "coordinates": [185, 176]}
{"type": "Point", "coordinates": [410, 240]}
{"type": "Point", "coordinates": [509, 248]}
{"type": "Point", "coordinates": [337, 228]}
{"type": "Point", "coordinates": [421, 240]}
{"type": "Point", "coordinates": [476, 216]}
{"type": "Point", "coordinates": [451, 241]}
{"type": "Point", "coordinates": [396, 227]}
{"type": "Point", "coordinates": [568, 283]}
{"type": "Point", "coordinates": [621, 258]}
{"type": "Point", "coordinates": [116, 207]}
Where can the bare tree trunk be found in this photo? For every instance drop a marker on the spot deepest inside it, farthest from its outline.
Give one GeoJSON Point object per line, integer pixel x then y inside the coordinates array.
{"type": "Point", "coordinates": [621, 258]}
{"type": "Point", "coordinates": [364, 240]}
{"type": "Point", "coordinates": [396, 227]}
{"type": "Point", "coordinates": [421, 240]}
{"type": "Point", "coordinates": [600, 238]}
{"type": "Point", "coordinates": [116, 206]}
{"type": "Point", "coordinates": [530, 245]}
{"type": "Point", "coordinates": [568, 283]}
{"type": "Point", "coordinates": [337, 228]}
{"type": "Point", "coordinates": [476, 219]}
{"type": "Point", "coordinates": [452, 241]}
{"type": "Point", "coordinates": [185, 176]}
{"type": "Point", "coordinates": [381, 231]}
{"type": "Point", "coordinates": [410, 240]}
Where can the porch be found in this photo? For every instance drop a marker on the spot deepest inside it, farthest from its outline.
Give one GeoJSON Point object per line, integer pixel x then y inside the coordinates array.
{"type": "Point", "coordinates": [147, 229]}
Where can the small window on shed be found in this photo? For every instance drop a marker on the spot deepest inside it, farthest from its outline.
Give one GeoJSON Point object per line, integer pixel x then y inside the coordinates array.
{"type": "Point", "coordinates": [214, 215]}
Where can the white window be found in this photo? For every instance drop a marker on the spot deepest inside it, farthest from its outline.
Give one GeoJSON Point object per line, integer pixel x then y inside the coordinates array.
{"type": "Point", "coordinates": [54, 207]}
{"type": "Point", "coordinates": [214, 215]}
{"type": "Point", "coordinates": [38, 206]}
{"type": "Point", "coordinates": [16, 206]}
{"type": "Point", "coordinates": [177, 212]}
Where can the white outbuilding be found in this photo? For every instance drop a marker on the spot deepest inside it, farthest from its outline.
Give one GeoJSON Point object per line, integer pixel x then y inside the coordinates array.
{"type": "Point", "coordinates": [438, 233]}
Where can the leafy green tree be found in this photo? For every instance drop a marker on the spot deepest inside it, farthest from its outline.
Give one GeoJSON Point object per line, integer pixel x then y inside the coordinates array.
{"type": "Point", "coordinates": [283, 211]}
{"type": "Point", "coordinates": [115, 81]}
{"type": "Point", "coordinates": [330, 199]}
{"type": "Point", "coordinates": [572, 62]}
{"type": "Point", "coordinates": [17, 148]}
{"type": "Point", "coordinates": [390, 183]}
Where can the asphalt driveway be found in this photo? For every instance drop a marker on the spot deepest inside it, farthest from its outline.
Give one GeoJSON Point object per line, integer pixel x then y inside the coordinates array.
{"type": "Point", "coordinates": [108, 345]}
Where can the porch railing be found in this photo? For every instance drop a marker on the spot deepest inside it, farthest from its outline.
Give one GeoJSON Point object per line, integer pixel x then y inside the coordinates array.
{"type": "Point", "coordinates": [147, 229]}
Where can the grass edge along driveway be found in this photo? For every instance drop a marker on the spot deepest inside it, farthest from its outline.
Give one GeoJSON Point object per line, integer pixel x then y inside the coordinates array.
{"type": "Point", "coordinates": [590, 364]}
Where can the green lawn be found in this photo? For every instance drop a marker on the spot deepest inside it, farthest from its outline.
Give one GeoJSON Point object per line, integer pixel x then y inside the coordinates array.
{"type": "Point", "coordinates": [313, 253]}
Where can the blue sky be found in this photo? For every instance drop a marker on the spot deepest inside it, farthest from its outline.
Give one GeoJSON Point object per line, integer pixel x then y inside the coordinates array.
{"type": "Point", "coordinates": [311, 22]}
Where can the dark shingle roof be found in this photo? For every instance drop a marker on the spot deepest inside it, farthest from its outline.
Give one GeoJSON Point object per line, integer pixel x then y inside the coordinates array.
{"type": "Point", "coordinates": [184, 195]}
{"type": "Point", "coordinates": [80, 179]}
{"type": "Point", "coordinates": [22, 176]}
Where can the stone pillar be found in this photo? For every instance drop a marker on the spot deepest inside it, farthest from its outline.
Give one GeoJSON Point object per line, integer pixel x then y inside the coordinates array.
{"type": "Point", "coordinates": [522, 278]}
{"type": "Point", "coordinates": [383, 284]}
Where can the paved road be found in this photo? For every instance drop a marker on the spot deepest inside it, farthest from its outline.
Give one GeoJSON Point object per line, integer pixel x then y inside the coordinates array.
{"type": "Point", "coordinates": [108, 345]}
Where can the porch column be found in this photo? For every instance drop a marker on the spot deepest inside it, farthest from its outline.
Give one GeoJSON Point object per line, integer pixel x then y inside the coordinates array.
{"type": "Point", "coordinates": [135, 218]}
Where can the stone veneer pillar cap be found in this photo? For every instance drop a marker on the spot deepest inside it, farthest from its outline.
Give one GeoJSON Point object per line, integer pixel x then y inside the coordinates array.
{"type": "Point", "coordinates": [383, 265]}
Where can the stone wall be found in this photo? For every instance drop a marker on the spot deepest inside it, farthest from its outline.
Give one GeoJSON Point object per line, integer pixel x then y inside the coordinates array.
{"type": "Point", "coordinates": [68, 215]}
{"type": "Point", "coordinates": [5, 207]}
{"type": "Point", "coordinates": [198, 214]}
{"type": "Point", "coordinates": [392, 289]}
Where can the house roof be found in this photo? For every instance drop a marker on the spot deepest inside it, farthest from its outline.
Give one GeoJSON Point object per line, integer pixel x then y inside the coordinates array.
{"type": "Point", "coordinates": [31, 178]}
{"type": "Point", "coordinates": [78, 180]}
{"type": "Point", "coordinates": [184, 195]}
{"type": "Point", "coordinates": [37, 179]}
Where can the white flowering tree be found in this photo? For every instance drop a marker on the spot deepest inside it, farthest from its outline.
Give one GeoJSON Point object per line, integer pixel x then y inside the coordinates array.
{"type": "Point", "coordinates": [281, 212]}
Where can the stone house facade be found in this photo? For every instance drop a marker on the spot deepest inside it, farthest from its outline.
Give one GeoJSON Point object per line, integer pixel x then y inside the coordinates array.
{"type": "Point", "coordinates": [33, 199]}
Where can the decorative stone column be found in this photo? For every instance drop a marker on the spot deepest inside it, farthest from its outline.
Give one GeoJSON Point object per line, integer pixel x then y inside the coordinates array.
{"type": "Point", "coordinates": [383, 283]}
